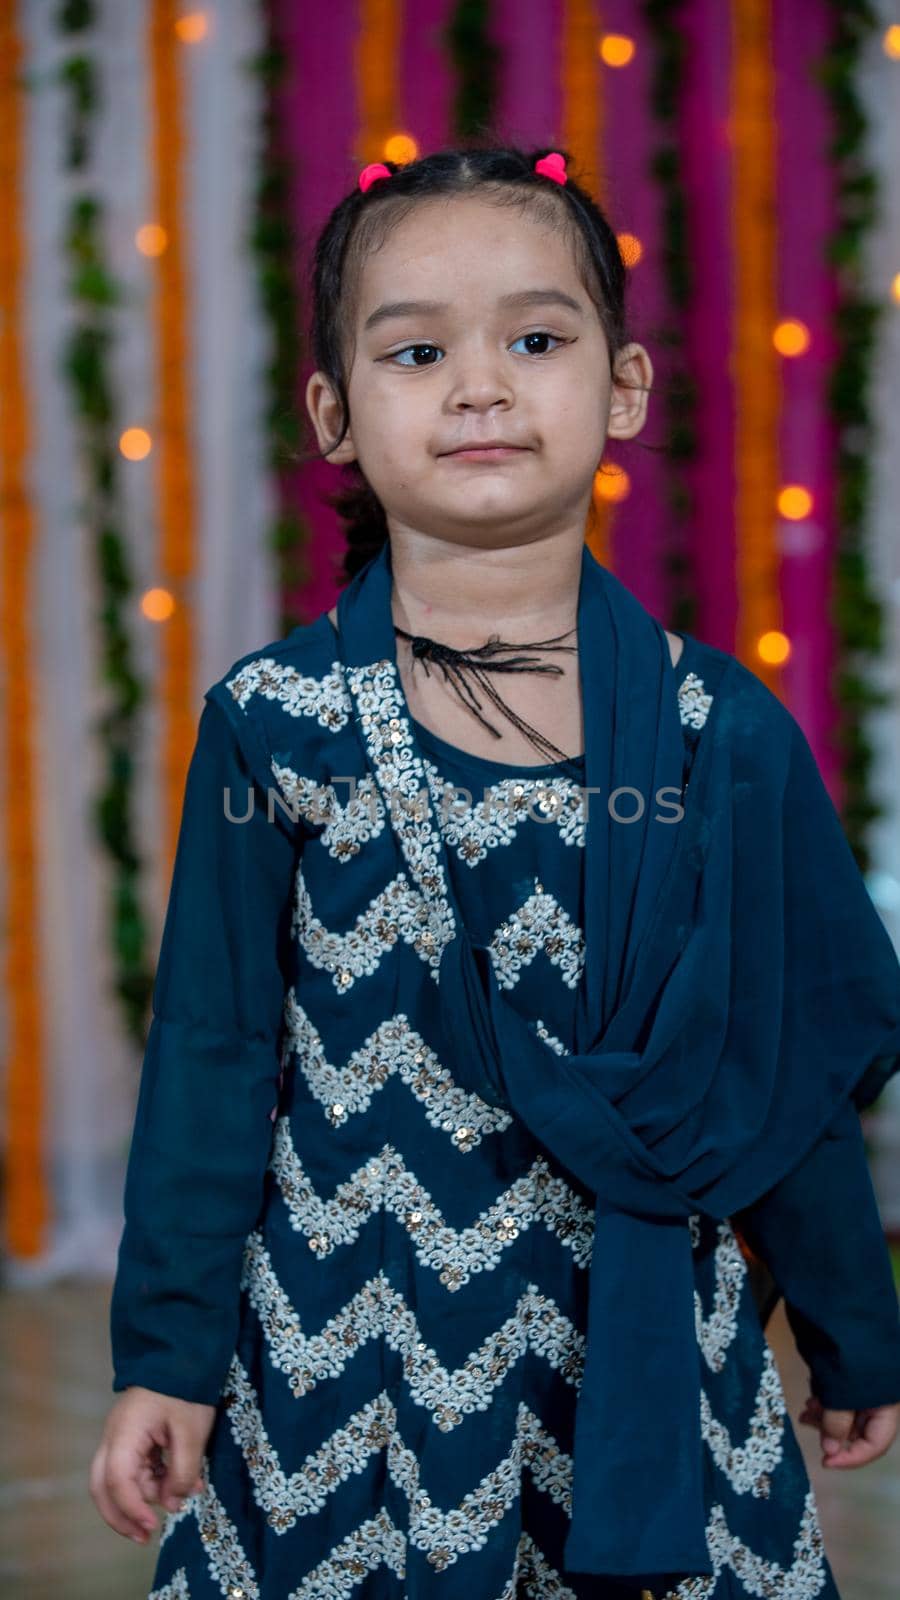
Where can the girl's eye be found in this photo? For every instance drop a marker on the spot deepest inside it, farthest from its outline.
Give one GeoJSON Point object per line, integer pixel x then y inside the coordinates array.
{"type": "Point", "coordinates": [413, 348]}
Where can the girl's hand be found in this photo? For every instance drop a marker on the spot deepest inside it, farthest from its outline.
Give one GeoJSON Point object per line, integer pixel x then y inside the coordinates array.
{"type": "Point", "coordinates": [129, 1470]}
{"type": "Point", "coordinates": [852, 1438]}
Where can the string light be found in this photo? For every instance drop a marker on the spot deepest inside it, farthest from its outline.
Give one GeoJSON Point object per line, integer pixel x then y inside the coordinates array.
{"type": "Point", "coordinates": [616, 49]}
{"type": "Point", "coordinates": [192, 27]}
{"type": "Point", "coordinates": [795, 502]}
{"type": "Point", "coordinates": [630, 248]}
{"type": "Point", "coordinates": [151, 239]}
{"type": "Point", "coordinates": [612, 482]}
{"type": "Point", "coordinates": [895, 287]}
{"type": "Point", "coordinates": [135, 444]}
{"type": "Point", "coordinates": [157, 605]}
{"type": "Point", "coordinates": [774, 648]}
{"type": "Point", "coordinates": [891, 41]}
{"type": "Point", "coordinates": [791, 338]}
{"type": "Point", "coordinates": [400, 147]}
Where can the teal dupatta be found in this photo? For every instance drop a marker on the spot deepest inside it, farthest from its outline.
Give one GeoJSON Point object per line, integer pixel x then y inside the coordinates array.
{"type": "Point", "coordinates": [738, 985]}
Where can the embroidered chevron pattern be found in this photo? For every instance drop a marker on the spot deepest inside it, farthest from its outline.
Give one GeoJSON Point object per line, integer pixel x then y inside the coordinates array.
{"type": "Point", "coordinates": [398, 910]}
{"type": "Point", "coordinates": [176, 1590]}
{"type": "Point", "coordinates": [748, 1466]}
{"type": "Point", "coordinates": [378, 1543]}
{"type": "Point", "coordinates": [379, 1311]}
{"type": "Point", "coordinates": [444, 1535]}
{"type": "Point", "coordinates": [225, 1556]}
{"type": "Point", "coordinates": [394, 1047]}
{"type": "Point", "coordinates": [386, 1182]}
{"type": "Point", "coordinates": [803, 1580]}
{"type": "Point", "coordinates": [539, 925]}
{"type": "Point", "coordinates": [717, 1332]}
{"type": "Point", "coordinates": [346, 827]}
{"type": "Point", "coordinates": [325, 699]}
{"type": "Point", "coordinates": [471, 827]}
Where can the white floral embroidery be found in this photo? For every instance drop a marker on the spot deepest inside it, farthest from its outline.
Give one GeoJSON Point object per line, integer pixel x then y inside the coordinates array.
{"type": "Point", "coordinates": [398, 911]}
{"type": "Point", "coordinates": [379, 705]}
{"type": "Point", "coordinates": [748, 1466]}
{"type": "Point", "coordinates": [455, 1254]}
{"type": "Point", "coordinates": [803, 1580]}
{"type": "Point", "coordinates": [693, 702]}
{"type": "Point", "coordinates": [346, 827]}
{"type": "Point", "coordinates": [394, 1047]}
{"type": "Point", "coordinates": [495, 816]}
{"type": "Point", "coordinates": [325, 699]}
{"type": "Point", "coordinates": [718, 1331]}
{"type": "Point", "coordinates": [226, 1559]}
{"type": "Point", "coordinates": [539, 925]}
{"type": "Point", "coordinates": [373, 1428]}
{"type": "Point", "coordinates": [379, 1311]}
{"type": "Point", "coordinates": [176, 1590]}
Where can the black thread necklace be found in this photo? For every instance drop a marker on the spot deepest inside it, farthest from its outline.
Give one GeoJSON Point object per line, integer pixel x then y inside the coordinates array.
{"type": "Point", "coordinates": [454, 663]}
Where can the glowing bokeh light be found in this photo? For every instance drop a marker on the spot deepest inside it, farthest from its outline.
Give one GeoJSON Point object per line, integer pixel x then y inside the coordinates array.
{"type": "Point", "coordinates": [400, 147]}
{"type": "Point", "coordinates": [791, 338]}
{"type": "Point", "coordinates": [151, 239]}
{"type": "Point", "coordinates": [157, 604]}
{"type": "Point", "coordinates": [192, 27]}
{"type": "Point", "coordinates": [612, 483]}
{"type": "Point", "coordinates": [795, 502]}
{"type": "Point", "coordinates": [135, 444]}
{"type": "Point", "coordinates": [891, 41]}
{"type": "Point", "coordinates": [773, 648]}
{"type": "Point", "coordinates": [616, 49]}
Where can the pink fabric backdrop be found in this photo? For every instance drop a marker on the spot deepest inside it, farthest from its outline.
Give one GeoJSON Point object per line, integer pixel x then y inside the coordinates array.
{"type": "Point", "coordinates": [808, 441]}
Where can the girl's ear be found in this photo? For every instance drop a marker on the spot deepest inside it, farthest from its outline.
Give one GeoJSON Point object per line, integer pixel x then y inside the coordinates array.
{"type": "Point", "coordinates": [324, 409]}
{"type": "Point", "coordinates": [631, 384]}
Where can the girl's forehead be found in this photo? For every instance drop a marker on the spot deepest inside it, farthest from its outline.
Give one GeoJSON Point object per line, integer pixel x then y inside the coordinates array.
{"type": "Point", "coordinates": [466, 242]}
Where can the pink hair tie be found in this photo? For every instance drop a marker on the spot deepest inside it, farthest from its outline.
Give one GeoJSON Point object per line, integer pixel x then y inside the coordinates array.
{"type": "Point", "coordinates": [375, 169]}
{"type": "Point", "coordinates": [552, 166]}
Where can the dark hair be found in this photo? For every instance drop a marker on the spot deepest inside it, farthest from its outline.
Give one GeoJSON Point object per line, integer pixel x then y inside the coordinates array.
{"type": "Point", "coordinates": [362, 221]}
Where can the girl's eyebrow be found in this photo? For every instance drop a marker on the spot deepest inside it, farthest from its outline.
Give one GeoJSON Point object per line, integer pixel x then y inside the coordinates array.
{"type": "Point", "coordinates": [520, 298]}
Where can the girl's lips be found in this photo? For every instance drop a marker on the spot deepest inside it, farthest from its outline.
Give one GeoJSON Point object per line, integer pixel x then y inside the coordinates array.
{"type": "Point", "coordinates": [490, 453]}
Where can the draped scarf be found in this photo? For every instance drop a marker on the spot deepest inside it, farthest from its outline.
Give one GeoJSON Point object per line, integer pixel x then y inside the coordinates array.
{"type": "Point", "coordinates": [738, 985]}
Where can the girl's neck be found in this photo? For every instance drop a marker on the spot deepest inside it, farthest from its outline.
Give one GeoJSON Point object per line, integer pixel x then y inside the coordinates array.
{"type": "Point", "coordinates": [461, 596]}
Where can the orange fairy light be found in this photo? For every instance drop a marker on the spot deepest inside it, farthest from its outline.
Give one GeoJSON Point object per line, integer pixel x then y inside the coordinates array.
{"type": "Point", "coordinates": [135, 444]}
{"type": "Point", "coordinates": [795, 502]}
{"type": "Point", "coordinates": [630, 248]}
{"type": "Point", "coordinates": [151, 239]}
{"type": "Point", "coordinates": [773, 648]}
{"type": "Point", "coordinates": [612, 482]}
{"type": "Point", "coordinates": [400, 147]}
{"type": "Point", "coordinates": [791, 338]}
{"type": "Point", "coordinates": [616, 49]}
{"type": "Point", "coordinates": [192, 27]}
{"type": "Point", "coordinates": [158, 605]}
{"type": "Point", "coordinates": [891, 41]}
{"type": "Point", "coordinates": [895, 287]}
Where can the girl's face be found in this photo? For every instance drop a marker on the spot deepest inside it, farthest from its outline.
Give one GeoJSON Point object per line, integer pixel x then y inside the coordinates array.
{"type": "Point", "coordinates": [472, 325]}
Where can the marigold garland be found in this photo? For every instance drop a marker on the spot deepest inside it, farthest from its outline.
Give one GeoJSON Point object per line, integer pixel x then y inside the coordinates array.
{"type": "Point", "coordinates": [175, 461]}
{"type": "Point", "coordinates": [26, 1201]}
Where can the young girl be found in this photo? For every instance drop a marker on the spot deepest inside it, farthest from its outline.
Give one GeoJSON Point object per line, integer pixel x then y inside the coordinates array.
{"type": "Point", "coordinates": [535, 969]}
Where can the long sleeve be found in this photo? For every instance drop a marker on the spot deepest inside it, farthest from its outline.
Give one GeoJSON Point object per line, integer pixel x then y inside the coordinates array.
{"type": "Point", "coordinates": [820, 1233]}
{"type": "Point", "coordinates": [209, 1083]}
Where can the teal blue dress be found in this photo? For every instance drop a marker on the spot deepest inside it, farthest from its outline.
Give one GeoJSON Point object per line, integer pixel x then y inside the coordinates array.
{"type": "Point", "coordinates": [288, 1488]}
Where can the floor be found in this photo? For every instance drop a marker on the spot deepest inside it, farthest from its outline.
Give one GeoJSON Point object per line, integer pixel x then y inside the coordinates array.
{"type": "Point", "coordinates": [54, 1396]}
